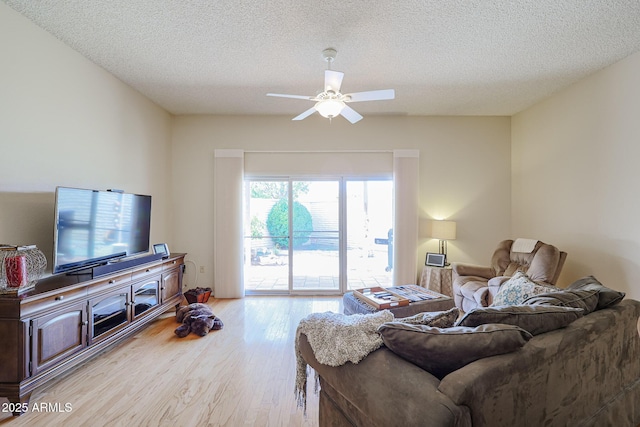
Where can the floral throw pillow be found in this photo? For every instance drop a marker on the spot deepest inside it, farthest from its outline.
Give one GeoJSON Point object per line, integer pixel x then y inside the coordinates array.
{"type": "Point", "coordinates": [517, 289]}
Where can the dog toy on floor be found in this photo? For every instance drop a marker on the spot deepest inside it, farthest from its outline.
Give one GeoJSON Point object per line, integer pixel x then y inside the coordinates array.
{"type": "Point", "coordinates": [197, 318]}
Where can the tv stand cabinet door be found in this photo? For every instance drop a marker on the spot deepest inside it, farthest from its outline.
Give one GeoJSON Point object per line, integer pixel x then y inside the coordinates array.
{"type": "Point", "coordinates": [146, 297]}
{"type": "Point", "coordinates": [58, 335]}
{"type": "Point", "coordinates": [171, 283]}
{"type": "Point", "coordinates": [109, 313]}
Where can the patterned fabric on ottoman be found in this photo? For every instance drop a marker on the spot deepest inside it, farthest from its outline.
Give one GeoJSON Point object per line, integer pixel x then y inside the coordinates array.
{"type": "Point", "coordinates": [353, 305]}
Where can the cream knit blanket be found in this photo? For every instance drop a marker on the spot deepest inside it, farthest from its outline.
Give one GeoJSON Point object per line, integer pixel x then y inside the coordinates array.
{"type": "Point", "coordinates": [336, 339]}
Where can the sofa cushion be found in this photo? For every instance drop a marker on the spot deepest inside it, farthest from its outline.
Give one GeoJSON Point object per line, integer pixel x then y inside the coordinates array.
{"type": "Point", "coordinates": [606, 296]}
{"type": "Point", "coordinates": [536, 319]}
{"type": "Point", "coordinates": [441, 351]}
{"type": "Point", "coordinates": [517, 289]}
{"type": "Point", "coordinates": [587, 300]}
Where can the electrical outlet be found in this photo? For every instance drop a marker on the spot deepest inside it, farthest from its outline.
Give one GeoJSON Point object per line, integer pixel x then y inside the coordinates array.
{"type": "Point", "coordinates": [202, 269]}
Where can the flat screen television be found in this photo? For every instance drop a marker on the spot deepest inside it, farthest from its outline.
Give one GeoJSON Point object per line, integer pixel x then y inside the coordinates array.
{"type": "Point", "coordinates": [94, 227]}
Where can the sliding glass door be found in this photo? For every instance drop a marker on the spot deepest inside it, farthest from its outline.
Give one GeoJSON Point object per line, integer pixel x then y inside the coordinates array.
{"type": "Point", "coordinates": [317, 236]}
{"type": "Point", "coordinates": [266, 259]}
{"type": "Point", "coordinates": [369, 223]}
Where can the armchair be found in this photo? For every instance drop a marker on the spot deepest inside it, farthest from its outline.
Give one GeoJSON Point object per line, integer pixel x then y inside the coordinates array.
{"type": "Point", "coordinates": [476, 286]}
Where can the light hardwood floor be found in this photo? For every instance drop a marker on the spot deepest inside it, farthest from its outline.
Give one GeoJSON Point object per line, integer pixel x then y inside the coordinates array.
{"type": "Point", "coordinates": [242, 375]}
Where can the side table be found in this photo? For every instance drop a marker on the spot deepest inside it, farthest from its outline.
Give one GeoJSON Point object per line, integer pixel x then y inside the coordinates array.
{"type": "Point", "coordinates": [437, 279]}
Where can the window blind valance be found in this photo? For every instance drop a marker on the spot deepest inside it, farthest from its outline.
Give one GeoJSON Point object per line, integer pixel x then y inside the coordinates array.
{"type": "Point", "coordinates": [352, 164]}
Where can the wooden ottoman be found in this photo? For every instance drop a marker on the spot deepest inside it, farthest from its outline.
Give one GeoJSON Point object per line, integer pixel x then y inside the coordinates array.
{"type": "Point", "coordinates": [439, 302]}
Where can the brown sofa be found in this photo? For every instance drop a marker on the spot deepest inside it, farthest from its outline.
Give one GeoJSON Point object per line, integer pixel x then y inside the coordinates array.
{"type": "Point", "coordinates": [586, 374]}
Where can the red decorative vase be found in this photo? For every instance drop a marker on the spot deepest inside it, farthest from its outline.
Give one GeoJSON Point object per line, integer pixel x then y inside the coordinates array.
{"type": "Point", "coordinates": [16, 269]}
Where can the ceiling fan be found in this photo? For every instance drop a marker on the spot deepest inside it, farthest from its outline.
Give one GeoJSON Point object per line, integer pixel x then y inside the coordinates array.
{"type": "Point", "coordinates": [331, 102]}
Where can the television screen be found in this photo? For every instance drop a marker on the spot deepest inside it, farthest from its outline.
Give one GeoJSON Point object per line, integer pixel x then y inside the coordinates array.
{"type": "Point", "coordinates": [95, 226]}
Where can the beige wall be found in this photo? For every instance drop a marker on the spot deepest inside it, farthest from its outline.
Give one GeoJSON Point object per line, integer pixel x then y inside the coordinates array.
{"type": "Point", "coordinates": [464, 171]}
{"type": "Point", "coordinates": [65, 121]}
{"type": "Point", "coordinates": [575, 175]}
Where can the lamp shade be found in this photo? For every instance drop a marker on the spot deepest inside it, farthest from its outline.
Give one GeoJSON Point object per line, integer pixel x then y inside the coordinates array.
{"type": "Point", "coordinates": [443, 230]}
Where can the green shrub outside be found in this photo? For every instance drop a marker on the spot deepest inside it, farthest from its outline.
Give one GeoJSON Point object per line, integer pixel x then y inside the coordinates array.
{"type": "Point", "coordinates": [278, 223]}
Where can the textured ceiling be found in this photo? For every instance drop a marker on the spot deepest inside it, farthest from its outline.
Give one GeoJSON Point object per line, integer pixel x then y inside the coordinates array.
{"type": "Point", "coordinates": [442, 57]}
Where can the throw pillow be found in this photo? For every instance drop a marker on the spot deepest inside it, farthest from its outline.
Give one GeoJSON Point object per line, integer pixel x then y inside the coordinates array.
{"type": "Point", "coordinates": [441, 351]}
{"type": "Point", "coordinates": [586, 300]}
{"type": "Point", "coordinates": [606, 296]}
{"type": "Point", "coordinates": [517, 289]}
{"type": "Point", "coordinates": [536, 319]}
{"type": "Point", "coordinates": [438, 319]}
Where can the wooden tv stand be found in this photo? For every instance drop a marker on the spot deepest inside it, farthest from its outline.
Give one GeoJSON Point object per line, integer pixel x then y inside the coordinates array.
{"type": "Point", "coordinates": [67, 319]}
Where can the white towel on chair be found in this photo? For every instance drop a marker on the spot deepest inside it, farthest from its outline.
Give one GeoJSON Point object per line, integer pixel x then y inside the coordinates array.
{"type": "Point", "coordinates": [525, 246]}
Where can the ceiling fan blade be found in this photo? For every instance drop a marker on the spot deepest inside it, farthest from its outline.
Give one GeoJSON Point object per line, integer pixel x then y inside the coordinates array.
{"type": "Point", "coordinates": [280, 95]}
{"type": "Point", "coordinates": [350, 114]}
{"type": "Point", "coordinates": [306, 114]}
{"type": "Point", "coordinates": [333, 80]}
{"type": "Point", "coordinates": [372, 95]}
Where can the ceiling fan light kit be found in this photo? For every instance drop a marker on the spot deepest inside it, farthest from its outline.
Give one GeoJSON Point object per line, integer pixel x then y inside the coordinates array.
{"type": "Point", "coordinates": [330, 102]}
{"type": "Point", "coordinates": [329, 108]}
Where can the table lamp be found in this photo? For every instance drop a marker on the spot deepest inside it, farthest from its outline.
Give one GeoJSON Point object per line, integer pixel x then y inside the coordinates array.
{"type": "Point", "coordinates": [443, 231]}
